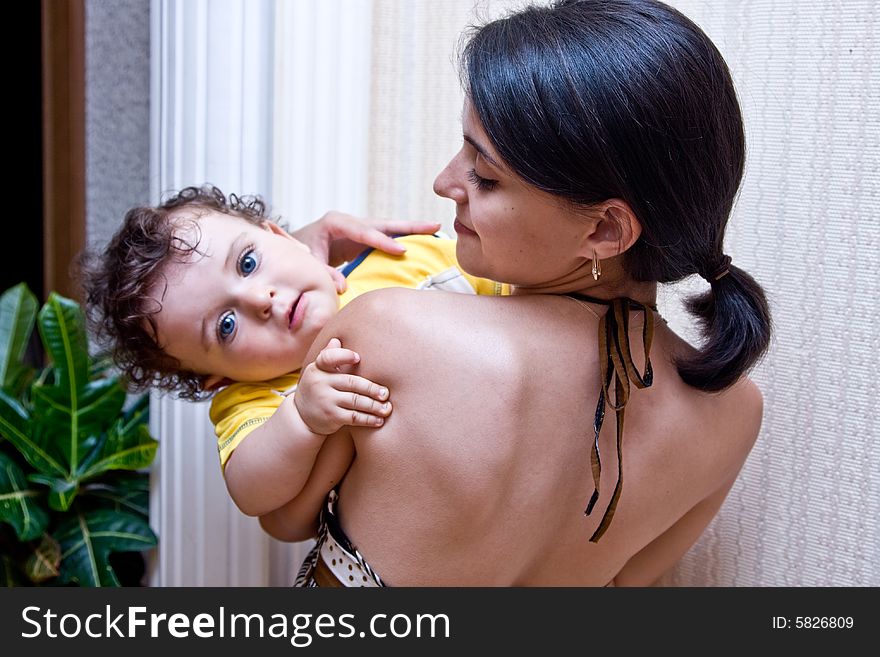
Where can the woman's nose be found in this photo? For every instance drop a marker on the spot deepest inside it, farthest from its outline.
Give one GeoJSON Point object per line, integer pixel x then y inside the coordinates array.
{"type": "Point", "coordinates": [449, 183]}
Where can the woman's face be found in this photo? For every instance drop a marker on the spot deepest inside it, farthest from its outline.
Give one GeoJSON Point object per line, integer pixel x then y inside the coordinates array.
{"type": "Point", "coordinates": [508, 230]}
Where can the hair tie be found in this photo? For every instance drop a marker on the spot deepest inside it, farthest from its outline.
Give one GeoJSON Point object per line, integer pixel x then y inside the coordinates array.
{"type": "Point", "coordinates": [721, 270]}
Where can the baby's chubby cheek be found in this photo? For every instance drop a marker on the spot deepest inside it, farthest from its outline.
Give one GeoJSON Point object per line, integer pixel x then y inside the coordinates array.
{"type": "Point", "coordinates": [322, 314]}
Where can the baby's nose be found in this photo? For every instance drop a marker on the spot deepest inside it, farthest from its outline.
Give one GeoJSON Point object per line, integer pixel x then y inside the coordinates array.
{"type": "Point", "coordinates": [259, 298]}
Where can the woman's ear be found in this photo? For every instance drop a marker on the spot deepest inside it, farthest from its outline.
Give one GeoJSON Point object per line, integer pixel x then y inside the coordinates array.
{"type": "Point", "coordinates": [614, 231]}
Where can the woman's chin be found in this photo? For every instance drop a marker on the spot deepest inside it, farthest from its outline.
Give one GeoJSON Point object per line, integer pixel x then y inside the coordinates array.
{"type": "Point", "coordinates": [470, 259]}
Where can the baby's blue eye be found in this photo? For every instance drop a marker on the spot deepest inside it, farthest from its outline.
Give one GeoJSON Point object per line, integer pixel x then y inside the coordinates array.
{"type": "Point", "coordinates": [248, 263]}
{"type": "Point", "coordinates": [226, 326]}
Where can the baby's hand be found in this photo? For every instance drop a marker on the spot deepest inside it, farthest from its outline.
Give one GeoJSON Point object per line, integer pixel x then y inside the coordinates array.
{"type": "Point", "coordinates": [329, 397]}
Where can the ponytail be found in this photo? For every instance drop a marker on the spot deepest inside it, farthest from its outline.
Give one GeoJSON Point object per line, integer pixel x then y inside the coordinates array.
{"type": "Point", "coordinates": [735, 323]}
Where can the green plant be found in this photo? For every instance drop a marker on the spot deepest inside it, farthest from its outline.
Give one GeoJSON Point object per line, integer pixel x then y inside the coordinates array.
{"type": "Point", "coordinates": [70, 450]}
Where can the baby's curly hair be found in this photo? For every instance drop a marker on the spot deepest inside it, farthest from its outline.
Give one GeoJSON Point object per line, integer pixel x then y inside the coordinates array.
{"type": "Point", "coordinates": [116, 282]}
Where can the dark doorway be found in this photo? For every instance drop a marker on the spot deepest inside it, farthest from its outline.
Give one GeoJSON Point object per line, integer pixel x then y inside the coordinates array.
{"type": "Point", "coordinates": [23, 206]}
{"type": "Point", "coordinates": [44, 153]}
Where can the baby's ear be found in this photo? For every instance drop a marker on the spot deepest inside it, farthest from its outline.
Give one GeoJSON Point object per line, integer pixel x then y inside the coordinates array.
{"type": "Point", "coordinates": [272, 227]}
{"type": "Point", "coordinates": [214, 382]}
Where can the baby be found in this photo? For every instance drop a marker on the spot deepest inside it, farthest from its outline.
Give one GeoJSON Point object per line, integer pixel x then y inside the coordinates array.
{"type": "Point", "coordinates": [206, 296]}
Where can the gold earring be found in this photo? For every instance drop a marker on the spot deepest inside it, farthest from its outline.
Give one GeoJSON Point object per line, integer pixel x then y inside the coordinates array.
{"type": "Point", "coordinates": [597, 267]}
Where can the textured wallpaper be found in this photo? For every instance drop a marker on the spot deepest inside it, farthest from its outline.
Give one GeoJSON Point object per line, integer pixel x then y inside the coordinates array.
{"type": "Point", "coordinates": [117, 112]}
{"type": "Point", "coordinates": [806, 508]}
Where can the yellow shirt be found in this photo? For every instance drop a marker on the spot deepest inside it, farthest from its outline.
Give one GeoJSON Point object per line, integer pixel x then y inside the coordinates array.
{"type": "Point", "coordinates": [429, 263]}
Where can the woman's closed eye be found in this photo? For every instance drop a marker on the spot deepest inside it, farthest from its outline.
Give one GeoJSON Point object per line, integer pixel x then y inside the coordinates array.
{"type": "Point", "coordinates": [483, 184]}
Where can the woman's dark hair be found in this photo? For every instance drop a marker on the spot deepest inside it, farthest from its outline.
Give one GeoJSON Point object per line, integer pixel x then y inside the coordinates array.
{"type": "Point", "coordinates": [597, 99]}
{"type": "Point", "coordinates": [117, 282]}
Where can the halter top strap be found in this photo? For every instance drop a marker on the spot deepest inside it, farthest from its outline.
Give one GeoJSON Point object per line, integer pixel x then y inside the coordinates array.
{"type": "Point", "coordinates": [616, 367]}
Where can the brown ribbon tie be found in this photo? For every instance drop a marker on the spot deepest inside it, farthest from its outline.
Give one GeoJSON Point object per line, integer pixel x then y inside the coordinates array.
{"type": "Point", "coordinates": [616, 366]}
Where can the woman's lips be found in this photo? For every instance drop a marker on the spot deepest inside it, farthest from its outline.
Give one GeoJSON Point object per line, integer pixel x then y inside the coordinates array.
{"type": "Point", "coordinates": [298, 312]}
{"type": "Point", "coordinates": [461, 229]}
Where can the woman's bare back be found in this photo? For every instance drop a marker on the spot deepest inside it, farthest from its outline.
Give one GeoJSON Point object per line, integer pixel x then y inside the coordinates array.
{"type": "Point", "coordinates": [482, 473]}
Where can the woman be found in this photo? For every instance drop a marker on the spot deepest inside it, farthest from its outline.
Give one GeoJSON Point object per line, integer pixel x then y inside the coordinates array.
{"type": "Point", "coordinates": [603, 149]}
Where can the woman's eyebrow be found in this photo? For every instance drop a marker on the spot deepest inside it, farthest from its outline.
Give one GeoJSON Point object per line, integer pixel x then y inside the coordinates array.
{"type": "Point", "coordinates": [482, 151]}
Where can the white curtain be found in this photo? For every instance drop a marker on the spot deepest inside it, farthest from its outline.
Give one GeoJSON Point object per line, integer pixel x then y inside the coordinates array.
{"type": "Point", "coordinates": [355, 105]}
{"type": "Point", "coordinates": [211, 77]}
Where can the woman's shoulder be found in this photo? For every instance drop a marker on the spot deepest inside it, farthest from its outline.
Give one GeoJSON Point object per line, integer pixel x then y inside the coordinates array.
{"type": "Point", "coordinates": [746, 401]}
{"type": "Point", "coordinates": [395, 301]}
{"type": "Point", "coordinates": [385, 302]}
{"type": "Point", "coordinates": [735, 412]}
{"type": "Point", "coordinates": [726, 426]}
{"type": "Point", "coordinates": [394, 324]}
{"type": "Point", "coordinates": [432, 314]}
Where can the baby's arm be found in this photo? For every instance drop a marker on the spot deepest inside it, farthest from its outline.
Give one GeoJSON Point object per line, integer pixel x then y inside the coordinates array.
{"type": "Point", "coordinates": [270, 467]}
{"type": "Point", "coordinates": [298, 519]}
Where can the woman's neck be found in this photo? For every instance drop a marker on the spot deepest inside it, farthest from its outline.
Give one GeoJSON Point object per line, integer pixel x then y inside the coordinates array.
{"type": "Point", "coordinates": [613, 283]}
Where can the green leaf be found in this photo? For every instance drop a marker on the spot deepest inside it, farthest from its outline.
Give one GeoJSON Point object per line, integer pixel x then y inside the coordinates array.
{"type": "Point", "coordinates": [44, 561]}
{"type": "Point", "coordinates": [87, 539]}
{"type": "Point", "coordinates": [62, 328]}
{"type": "Point", "coordinates": [126, 447]}
{"type": "Point", "coordinates": [62, 491]}
{"type": "Point", "coordinates": [18, 308]}
{"type": "Point", "coordinates": [75, 418]}
{"type": "Point", "coordinates": [120, 491]}
{"type": "Point", "coordinates": [15, 426]}
{"type": "Point", "coordinates": [21, 505]}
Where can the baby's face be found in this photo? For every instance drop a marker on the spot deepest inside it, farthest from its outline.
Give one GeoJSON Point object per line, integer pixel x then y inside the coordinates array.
{"type": "Point", "coordinates": [249, 308]}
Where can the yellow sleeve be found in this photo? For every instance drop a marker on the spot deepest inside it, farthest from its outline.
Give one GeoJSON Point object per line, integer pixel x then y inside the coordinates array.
{"type": "Point", "coordinates": [482, 286]}
{"type": "Point", "coordinates": [429, 263]}
{"type": "Point", "coordinates": [240, 408]}
{"type": "Point", "coordinates": [486, 287]}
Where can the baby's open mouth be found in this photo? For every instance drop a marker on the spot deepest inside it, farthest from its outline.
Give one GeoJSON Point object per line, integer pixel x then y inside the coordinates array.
{"type": "Point", "coordinates": [292, 312]}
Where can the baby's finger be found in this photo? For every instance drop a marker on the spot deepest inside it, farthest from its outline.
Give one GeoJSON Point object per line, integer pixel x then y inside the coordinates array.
{"type": "Point", "coordinates": [330, 359]}
{"type": "Point", "coordinates": [359, 385]}
{"type": "Point", "coordinates": [358, 419]}
{"type": "Point", "coordinates": [356, 403]}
